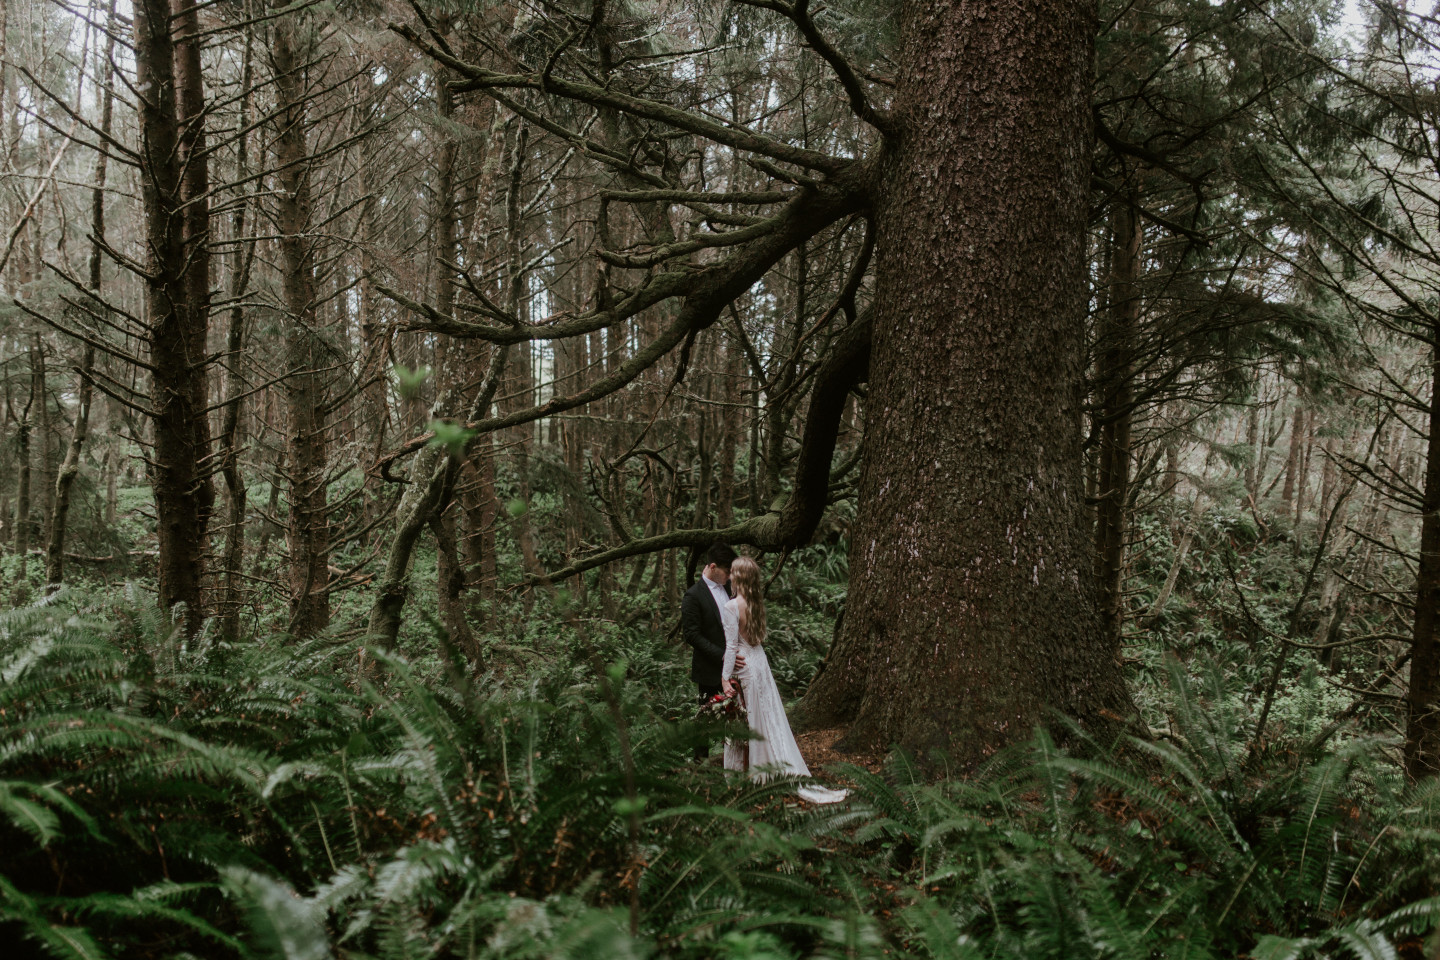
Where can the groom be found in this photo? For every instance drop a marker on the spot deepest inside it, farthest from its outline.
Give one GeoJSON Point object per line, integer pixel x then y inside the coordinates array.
{"type": "Point", "coordinates": [700, 621]}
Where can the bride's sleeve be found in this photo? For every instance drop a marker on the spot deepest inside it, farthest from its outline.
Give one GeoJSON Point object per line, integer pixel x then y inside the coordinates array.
{"type": "Point", "coordinates": [730, 618]}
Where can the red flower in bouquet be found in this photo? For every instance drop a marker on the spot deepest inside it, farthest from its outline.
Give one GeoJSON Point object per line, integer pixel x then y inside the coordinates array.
{"type": "Point", "coordinates": [726, 707]}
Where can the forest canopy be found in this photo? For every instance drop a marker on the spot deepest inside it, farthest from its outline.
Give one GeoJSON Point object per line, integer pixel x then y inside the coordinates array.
{"type": "Point", "coordinates": [379, 378]}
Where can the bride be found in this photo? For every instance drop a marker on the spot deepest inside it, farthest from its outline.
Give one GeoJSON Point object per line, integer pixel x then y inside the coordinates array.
{"type": "Point", "coordinates": [773, 749]}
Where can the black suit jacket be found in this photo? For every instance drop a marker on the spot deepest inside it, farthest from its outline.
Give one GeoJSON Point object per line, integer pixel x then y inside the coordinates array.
{"type": "Point", "coordinates": [700, 623]}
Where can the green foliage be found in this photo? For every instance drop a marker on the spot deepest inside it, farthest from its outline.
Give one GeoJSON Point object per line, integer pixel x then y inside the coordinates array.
{"type": "Point", "coordinates": [279, 800]}
{"type": "Point", "coordinates": [409, 382]}
{"type": "Point", "coordinates": [452, 436]}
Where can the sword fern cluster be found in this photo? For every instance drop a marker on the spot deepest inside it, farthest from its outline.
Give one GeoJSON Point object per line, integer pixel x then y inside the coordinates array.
{"type": "Point", "coordinates": [163, 798]}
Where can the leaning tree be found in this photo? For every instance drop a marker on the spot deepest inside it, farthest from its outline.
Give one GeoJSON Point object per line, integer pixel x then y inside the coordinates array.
{"type": "Point", "coordinates": [972, 608]}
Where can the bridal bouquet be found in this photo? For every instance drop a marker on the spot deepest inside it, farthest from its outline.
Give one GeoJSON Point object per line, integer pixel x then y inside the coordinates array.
{"type": "Point", "coordinates": [726, 707]}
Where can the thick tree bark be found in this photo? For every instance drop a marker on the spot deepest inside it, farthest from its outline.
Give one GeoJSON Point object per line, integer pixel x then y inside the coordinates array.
{"type": "Point", "coordinates": [308, 532]}
{"type": "Point", "coordinates": [972, 609]}
{"type": "Point", "coordinates": [1422, 729]}
{"type": "Point", "coordinates": [176, 312]}
{"type": "Point", "coordinates": [1112, 493]}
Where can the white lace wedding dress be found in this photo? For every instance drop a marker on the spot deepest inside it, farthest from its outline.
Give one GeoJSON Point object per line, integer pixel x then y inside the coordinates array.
{"type": "Point", "coordinates": [773, 750]}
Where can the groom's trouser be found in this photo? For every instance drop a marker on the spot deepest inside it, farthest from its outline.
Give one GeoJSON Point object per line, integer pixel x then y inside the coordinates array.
{"type": "Point", "coordinates": [703, 750]}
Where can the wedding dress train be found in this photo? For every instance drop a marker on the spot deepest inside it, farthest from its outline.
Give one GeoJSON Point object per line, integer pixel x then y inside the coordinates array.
{"type": "Point", "coordinates": [774, 750]}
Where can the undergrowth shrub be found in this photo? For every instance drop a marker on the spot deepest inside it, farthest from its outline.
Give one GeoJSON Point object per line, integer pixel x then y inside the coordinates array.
{"type": "Point", "coordinates": [163, 797]}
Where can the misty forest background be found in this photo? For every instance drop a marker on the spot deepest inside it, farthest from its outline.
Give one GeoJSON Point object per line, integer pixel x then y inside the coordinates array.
{"type": "Point", "coordinates": [375, 375]}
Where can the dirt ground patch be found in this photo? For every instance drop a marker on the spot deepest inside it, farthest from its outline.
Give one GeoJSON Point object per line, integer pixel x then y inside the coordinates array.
{"type": "Point", "coordinates": [818, 749]}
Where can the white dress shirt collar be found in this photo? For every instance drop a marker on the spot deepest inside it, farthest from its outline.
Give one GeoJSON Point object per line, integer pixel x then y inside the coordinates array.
{"type": "Point", "coordinates": [717, 591]}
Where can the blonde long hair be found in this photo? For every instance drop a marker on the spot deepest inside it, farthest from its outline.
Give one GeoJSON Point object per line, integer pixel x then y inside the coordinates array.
{"type": "Point", "coordinates": [745, 575]}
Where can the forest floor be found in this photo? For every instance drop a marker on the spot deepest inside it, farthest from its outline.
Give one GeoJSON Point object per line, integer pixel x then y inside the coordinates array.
{"type": "Point", "coordinates": [818, 749]}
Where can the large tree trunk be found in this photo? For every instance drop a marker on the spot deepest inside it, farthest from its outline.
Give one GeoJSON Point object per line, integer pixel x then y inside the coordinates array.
{"type": "Point", "coordinates": [1422, 730]}
{"type": "Point", "coordinates": [177, 301]}
{"type": "Point", "coordinates": [308, 533]}
{"type": "Point", "coordinates": [972, 608]}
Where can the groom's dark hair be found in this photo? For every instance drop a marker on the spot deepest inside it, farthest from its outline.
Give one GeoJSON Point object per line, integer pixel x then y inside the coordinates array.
{"type": "Point", "coordinates": [721, 555]}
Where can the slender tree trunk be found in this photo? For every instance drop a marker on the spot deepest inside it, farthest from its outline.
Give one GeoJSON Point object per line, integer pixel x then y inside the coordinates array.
{"type": "Point", "coordinates": [972, 608]}
{"type": "Point", "coordinates": [39, 428]}
{"type": "Point", "coordinates": [232, 564]}
{"type": "Point", "coordinates": [450, 572]}
{"type": "Point", "coordinates": [1302, 479]}
{"type": "Point", "coordinates": [1253, 469]}
{"type": "Point", "coordinates": [570, 361]}
{"type": "Point", "coordinates": [523, 384]}
{"type": "Point", "coordinates": [704, 469]}
{"type": "Point", "coordinates": [431, 477]}
{"type": "Point", "coordinates": [1292, 460]}
{"type": "Point", "coordinates": [376, 338]}
{"type": "Point", "coordinates": [1172, 467]}
{"type": "Point", "coordinates": [9, 118]}
{"type": "Point", "coordinates": [272, 507]}
{"type": "Point", "coordinates": [112, 483]}
{"type": "Point", "coordinates": [1113, 493]}
{"type": "Point", "coordinates": [481, 516]}
{"type": "Point", "coordinates": [780, 406]}
{"type": "Point", "coordinates": [729, 437]}
{"type": "Point", "coordinates": [177, 302]}
{"type": "Point", "coordinates": [450, 575]}
{"type": "Point", "coordinates": [753, 505]}
{"type": "Point", "coordinates": [416, 506]}
{"type": "Point", "coordinates": [22, 489]}
{"type": "Point", "coordinates": [1328, 475]}
{"type": "Point", "coordinates": [1197, 510]}
{"type": "Point", "coordinates": [308, 534]}
{"type": "Point", "coordinates": [6, 117]}
{"type": "Point", "coordinates": [44, 427]}
{"type": "Point", "coordinates": [193, 155]}
{"type": "Point", "coordinates": [1422, 730]}
{"type": "Point", "coordinates": [477, 476]}
{"type": "Point", "coordinates": [55, 549]}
